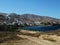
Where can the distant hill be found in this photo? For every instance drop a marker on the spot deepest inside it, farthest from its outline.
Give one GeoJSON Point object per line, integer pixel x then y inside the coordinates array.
{"type": "Point", "coordinates": [32, 17]}
{"type": "Point", "coordinates": [27, 18]}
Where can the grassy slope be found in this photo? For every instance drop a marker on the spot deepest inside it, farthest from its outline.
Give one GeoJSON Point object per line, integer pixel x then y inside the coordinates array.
{"type": "Point", "coordinates": [11, 38]}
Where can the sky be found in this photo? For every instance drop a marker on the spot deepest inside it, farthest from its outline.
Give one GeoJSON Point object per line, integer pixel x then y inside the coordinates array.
{"type": "Point", "coordinates": [39, 7]}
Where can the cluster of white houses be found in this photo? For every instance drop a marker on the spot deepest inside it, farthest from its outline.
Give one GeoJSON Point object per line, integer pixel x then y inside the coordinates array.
{"type": "Point", "coordinates": [24, 23]}
{"type": "Point", "coordinates": [21, 23]}
{"type": "Point", "coordinates": [8, 22]}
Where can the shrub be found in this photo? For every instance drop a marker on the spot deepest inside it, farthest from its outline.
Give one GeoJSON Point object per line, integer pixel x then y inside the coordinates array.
{"type": "Point", "coordinates": [5, 27]}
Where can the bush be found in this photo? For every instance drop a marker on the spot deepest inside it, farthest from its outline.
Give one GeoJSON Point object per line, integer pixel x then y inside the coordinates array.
{"type": "Point", "coordinates": [5, 27]}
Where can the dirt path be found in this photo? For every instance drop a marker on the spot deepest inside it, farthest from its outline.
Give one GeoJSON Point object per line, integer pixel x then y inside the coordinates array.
{"type": "Point", "coordinates": [37, 40]}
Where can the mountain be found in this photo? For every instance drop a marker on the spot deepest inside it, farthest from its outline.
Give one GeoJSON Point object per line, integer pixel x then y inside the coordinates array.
{"type": "Point", "coordinates": [26, 18]}
{"type": "Point", "coordinates": [35, 18]}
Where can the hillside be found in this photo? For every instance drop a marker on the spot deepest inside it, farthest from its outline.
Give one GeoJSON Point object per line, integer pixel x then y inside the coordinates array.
{"type": "Point", "coordinates": [31, 37]}
{"type": "Point", "coordinates": [26, 18]}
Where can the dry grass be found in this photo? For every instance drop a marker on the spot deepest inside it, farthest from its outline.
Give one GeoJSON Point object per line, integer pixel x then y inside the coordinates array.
{"type": "Point", "coordinates": [8, 36]}
{"type": "Point", "coordinates": [30, 33]}
{"type": "Point", "coordinates": [52, 38]}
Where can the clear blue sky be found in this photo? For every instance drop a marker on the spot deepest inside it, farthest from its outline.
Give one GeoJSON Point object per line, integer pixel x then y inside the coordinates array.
{"type": "Point", "coordinates": [40, 7]}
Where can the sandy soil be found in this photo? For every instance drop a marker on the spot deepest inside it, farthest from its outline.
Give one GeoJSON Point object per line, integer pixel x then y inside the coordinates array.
{"type": "Point", "coordinates": [34, 38]}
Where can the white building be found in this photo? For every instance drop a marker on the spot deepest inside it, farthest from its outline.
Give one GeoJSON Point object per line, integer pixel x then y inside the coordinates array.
{"type": "Point", "coordinates": [37, 23]}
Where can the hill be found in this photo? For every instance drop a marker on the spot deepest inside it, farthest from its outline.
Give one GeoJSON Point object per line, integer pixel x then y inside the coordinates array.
{"type": "Point", "coordinates": [26, 18]}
